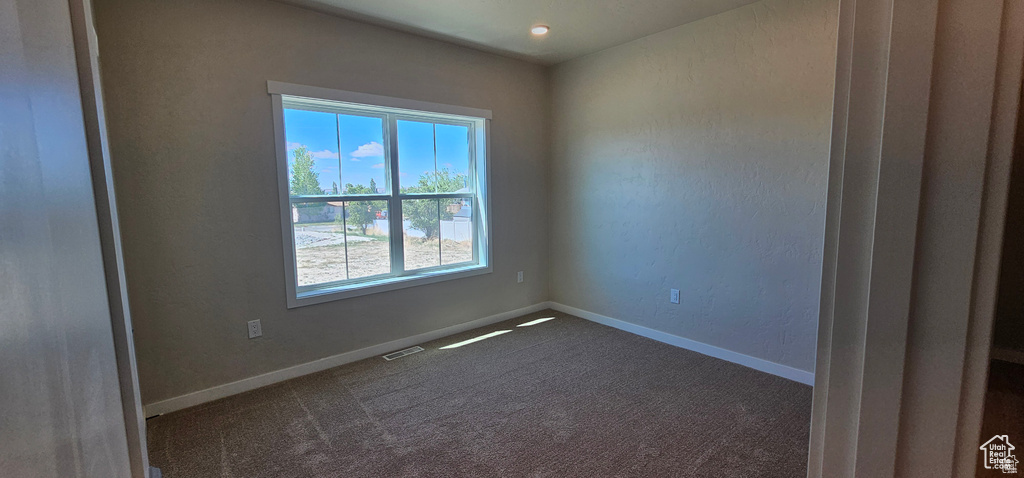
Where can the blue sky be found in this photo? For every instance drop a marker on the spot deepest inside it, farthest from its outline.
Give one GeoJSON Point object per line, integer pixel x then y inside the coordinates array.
{"type": "Point", "coordinates": [361, 147]}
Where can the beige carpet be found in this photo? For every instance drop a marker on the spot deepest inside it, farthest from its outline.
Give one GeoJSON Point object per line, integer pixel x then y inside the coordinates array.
{"type": "Point", "coordinates": [565, 397]}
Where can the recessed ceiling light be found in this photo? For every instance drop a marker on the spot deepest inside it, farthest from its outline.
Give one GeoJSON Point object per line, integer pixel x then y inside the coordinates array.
{"type": "Point", "coordinates": [539, 29]}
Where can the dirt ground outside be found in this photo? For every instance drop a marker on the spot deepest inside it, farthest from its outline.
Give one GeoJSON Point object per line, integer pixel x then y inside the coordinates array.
{"type": "Point", "coordinates": [320, 254]}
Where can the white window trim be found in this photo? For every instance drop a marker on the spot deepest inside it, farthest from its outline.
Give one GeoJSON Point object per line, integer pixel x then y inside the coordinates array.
{"type": "Point", "coordinates": [482, 249]}
{"type": "Point", "coordinates": [315, 92]}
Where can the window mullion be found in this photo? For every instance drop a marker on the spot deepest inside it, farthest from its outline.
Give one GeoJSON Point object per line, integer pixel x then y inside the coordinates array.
{"type": "Point", "coordinates": [474, 187]}
{"type": "Point", "coordinates": [341, 190]}
{"type": "Point", "coordinates": [341, 184]}
{"type": "Point", "coordinates": [395, 201]}
{"type": "Point", "coordinates": [471, 141]}
{"type": "Point", "coordinates": [440, 260]}
{"type": "Point", "coordinates": [437, 188]}
{"type": "Point", "coordinates": [344, 229]}
{"type": "Point", "coordinates": [335, 198]}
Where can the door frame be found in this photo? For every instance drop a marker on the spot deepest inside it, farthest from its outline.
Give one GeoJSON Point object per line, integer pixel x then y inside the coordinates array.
{"type": "Point", "coordinates": [87, 58]}
{"type": "Point", "coordinates": [894, 61]}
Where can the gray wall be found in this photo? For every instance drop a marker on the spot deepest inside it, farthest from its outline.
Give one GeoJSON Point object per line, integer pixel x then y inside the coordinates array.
{"type": "Point", "coordinates": [60, 408]}
{"type": "Point", "coordinates": [697, 159]}
{"type": "Point", "coordinates": [192, 147]}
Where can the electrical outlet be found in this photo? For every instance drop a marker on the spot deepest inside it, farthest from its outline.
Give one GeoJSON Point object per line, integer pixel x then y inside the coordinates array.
{"type": "Point", "coordinates": [255, 329]}
{"type": "Point", "coordinates": [674, 296]}
{"type": "Point", "coordinates": [519, 277]}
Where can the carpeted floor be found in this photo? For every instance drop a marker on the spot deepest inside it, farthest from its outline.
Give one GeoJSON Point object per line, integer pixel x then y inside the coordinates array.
{"type": "Point", "coordinates": [565, 397]}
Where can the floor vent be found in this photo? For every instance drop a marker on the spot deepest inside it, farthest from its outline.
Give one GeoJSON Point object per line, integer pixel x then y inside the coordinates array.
{"type": "Point", "coordinates": [403, 353]}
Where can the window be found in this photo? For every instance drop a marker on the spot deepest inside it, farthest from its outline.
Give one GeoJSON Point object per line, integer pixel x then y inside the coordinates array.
{"type": "Point", "coordinates": [378, 193]}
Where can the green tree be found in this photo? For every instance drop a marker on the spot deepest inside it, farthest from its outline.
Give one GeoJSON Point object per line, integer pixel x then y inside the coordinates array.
{"type": "Point", "coordinates": [357, 189]}
{"type": "Point", "coordinates": [423, 214]}
{"type": "Point", "coordinates": [361, 213]}
{"type": "Point", "coordinates": [443, 181]}
{"type": "Point", "coordinates": [305, 181]}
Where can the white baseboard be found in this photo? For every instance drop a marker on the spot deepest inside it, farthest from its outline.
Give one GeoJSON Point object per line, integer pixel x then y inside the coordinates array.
{"type": "Point", "coordinates": [252, 383]}
{"type": "Point", "coordinates": [755, 363]}
{"type": "Point", "coordinates": [1007, 355]}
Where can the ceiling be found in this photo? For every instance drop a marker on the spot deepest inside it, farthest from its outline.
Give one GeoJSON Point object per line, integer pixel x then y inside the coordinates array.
{"type": "Point", "coordinates": [578, 27]}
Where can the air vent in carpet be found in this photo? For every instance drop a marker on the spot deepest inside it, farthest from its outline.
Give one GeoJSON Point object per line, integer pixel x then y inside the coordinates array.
{"type": "Point", "coordinates": [403, 353]}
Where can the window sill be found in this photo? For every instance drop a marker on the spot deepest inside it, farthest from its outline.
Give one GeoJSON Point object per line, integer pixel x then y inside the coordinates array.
{"type": "Point", "coordinates": [320, 296]}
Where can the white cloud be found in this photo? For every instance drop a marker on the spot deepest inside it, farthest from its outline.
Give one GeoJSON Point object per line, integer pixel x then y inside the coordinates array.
{"type": "Point", "coordinates": [371, 149]}
{"type": "Point", "coordinates": [325, 154]}
{"type": "Point", "coordinates": [378, 166]}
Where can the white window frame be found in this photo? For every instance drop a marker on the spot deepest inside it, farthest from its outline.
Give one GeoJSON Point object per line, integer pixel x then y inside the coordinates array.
{"type": "Point", "coordinates": [391, 109]}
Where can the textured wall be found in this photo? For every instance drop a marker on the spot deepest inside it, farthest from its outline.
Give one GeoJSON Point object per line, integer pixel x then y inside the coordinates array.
{"type": "Point", "coordinates": [191, 137]}
{"type": "Point", "coordinates": [696, 159]}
